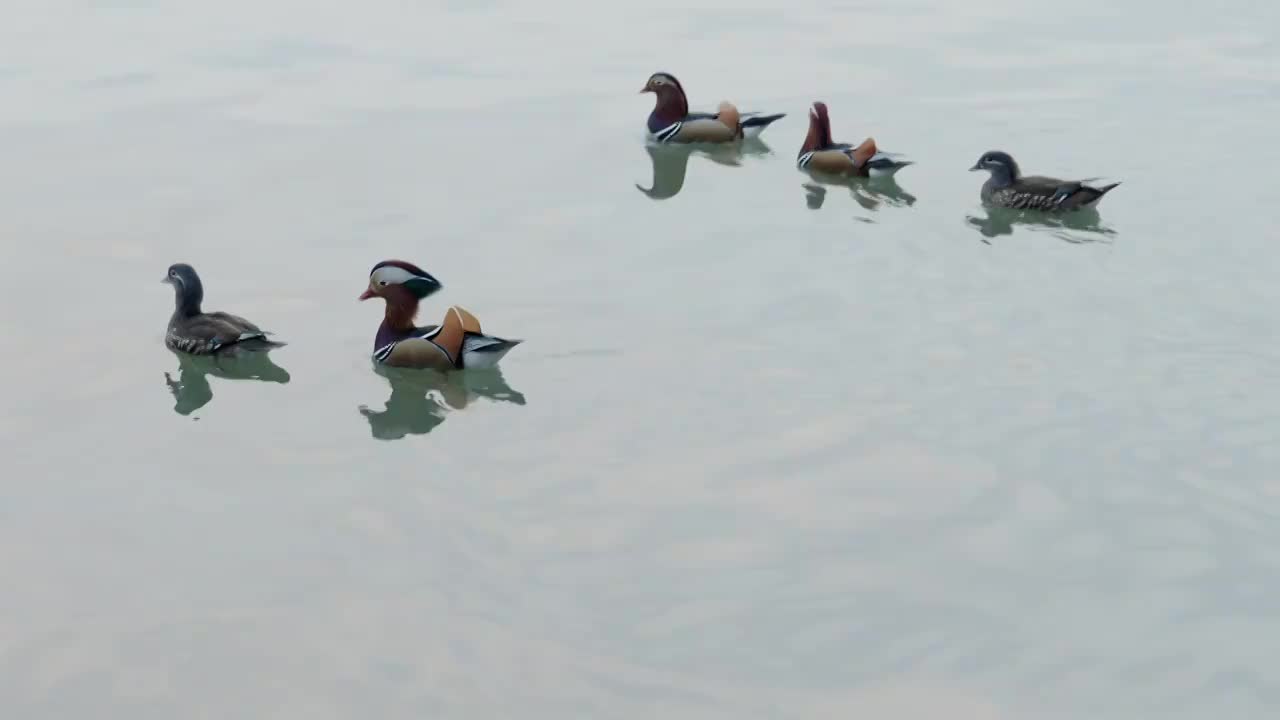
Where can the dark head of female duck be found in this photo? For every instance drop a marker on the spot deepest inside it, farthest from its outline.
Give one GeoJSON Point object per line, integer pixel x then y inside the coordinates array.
{"type": "Point", "coordinates": [402, 285]}
{"type": "Point", "coordinates": [188, 291]}
{"type": "Point", "coordinates": [1004, 170]}
{"type": "Point", "coordinates": [671, 104]}
{"type": "Point", "coordinates": [819, 135]}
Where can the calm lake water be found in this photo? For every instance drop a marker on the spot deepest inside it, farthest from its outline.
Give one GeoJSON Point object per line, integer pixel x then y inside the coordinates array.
{"type": "Point", "coordinates": [769, 451]}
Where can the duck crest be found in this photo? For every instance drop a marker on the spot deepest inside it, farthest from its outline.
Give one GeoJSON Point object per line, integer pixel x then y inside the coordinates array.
{"type": "Point", "coordinates": [1015, 172]}
{"type": "Point", "coordinates": [1005, 171]}
{"type": "Point", "coordinates": [406, 266]}
{"type": "Point", "coordinates": [819, 135]}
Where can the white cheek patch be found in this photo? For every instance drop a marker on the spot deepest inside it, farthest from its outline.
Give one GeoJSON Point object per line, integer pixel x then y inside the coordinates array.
{"type": "Point", "coordinates": [391, 275]}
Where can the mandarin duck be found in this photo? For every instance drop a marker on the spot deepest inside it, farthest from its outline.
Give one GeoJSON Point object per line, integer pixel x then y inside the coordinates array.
{"type": "Point", "coordinates": [199, 333]}
{"type": "Point", "coordinates": [671, 121]}
{"type": "Point", "coordinates": [455, 344]}
{"type": "Point", "coordinates": [821, 154]}
{"type": "Point", "coordinates": [1008, 188]}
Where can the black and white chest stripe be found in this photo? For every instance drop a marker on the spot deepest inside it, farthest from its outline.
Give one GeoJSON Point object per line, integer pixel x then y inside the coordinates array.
{"type": "Point", "coordinates": [384, 352]}
{"type": "Point", "coordinates": [668, 132]}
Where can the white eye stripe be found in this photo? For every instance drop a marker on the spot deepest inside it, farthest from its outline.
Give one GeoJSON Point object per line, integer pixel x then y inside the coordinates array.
{"type": "Point", "coordinates": [390, 274]}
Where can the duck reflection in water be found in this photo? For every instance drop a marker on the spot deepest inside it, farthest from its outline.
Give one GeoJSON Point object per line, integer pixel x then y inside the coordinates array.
{"type": "Point", "coordinates": [671, 162]}
{"type": "Point", "coordinates": [420, 400]}
{"type": "Point", "coordinates": [191, 391]}
{"type": "Point", "coordinates": [1079, 227]}
{"type": "Point", "coordinates": [871, 193]}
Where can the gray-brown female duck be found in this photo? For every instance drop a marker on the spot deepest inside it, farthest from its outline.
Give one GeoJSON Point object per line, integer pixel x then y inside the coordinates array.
{"type": "Point", "coordinates": [191, 330]}
{"type": "Point", "coordinates": [1008, 187]}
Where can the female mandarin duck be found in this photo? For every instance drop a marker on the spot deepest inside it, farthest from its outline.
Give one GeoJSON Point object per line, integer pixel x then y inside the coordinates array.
{"type": "Point", "coordinates": [193, 331]}
{"type": "Point", "coordinates": [821, 154]}
{"type": "Point", "coordinates": [455, 344]}
{"type": "Point", "coordinates": [672, 122]}
{"type": "Point", "coordinates": [1007, 187]}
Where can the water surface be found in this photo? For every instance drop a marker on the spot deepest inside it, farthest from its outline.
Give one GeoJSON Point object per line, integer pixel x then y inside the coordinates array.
{"type": "Point", "coordinates": [772, 449]}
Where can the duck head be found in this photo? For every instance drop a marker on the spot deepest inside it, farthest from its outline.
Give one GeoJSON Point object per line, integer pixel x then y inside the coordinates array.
{"type": "Point", "coordinates": [819, 129]}
{"type": "Point", "coordinates": [671, 103]}
{"type": "Point", "coordinates": [401, 285]}
{"type": "Point", "coordinates": [188, 291]}
{"type": "Point", "coordinates": [1000, 164]}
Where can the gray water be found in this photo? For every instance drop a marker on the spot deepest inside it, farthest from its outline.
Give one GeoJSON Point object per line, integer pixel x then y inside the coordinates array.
{"type": "Point", "coordinates": [769, 451]}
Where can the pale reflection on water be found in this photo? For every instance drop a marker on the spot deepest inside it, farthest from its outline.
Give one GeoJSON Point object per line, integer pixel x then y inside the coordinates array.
{"type": "Point", "coordinates": [421, 400]}
{"type": "Point", "coordinates": [1082, 226]}
{"type": "Point", "coordinates": [191, 389]}
{"type": "Point", "coordinates": [671, 162]}
{"type": "Point", "coordinates": [754, 460]}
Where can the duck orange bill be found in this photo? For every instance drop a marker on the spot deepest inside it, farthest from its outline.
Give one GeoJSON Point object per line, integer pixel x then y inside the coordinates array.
{"type": "Point", "coordinates": [368, 293]}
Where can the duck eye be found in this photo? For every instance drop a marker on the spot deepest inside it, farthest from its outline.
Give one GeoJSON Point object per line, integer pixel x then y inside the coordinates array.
{"type": "Point", "coordinates": [383, 283]}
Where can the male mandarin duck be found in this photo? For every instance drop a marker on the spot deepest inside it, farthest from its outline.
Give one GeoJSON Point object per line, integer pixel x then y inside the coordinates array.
{"type": "Point", "coordinates": [671, 121]}
{"type": "Point", "coordinates": [1008, 188]}
{"type": "Point", "coordinates": [455, 344]}
{"type": "Point", "coordinates": [199, 333]}
{"type": "Point", "coordinates": [821, 154]}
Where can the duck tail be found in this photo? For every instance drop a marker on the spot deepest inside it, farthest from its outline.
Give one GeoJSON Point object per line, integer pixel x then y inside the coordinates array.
{"type": "Point", "coordinates": [753, 124]}
{"type": "Point", "coordinates": [259, 343]}
{"type": "Point", "coordinates": [1098, 193]}
{"type": "Point", "coordinates": [753, 120]}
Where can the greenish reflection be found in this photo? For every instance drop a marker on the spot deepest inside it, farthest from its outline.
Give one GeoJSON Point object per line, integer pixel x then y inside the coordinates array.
{"type": "Point", "coordinates": [871, 193]}
{"type": "Point", "coordinates": [1078, 227]}
{"type": "Point", "coordinates": [191, 390]}
{"type": "Point", "coordinates": [671, 162]}
{"type": "Point", "coordinates": [420, 400]}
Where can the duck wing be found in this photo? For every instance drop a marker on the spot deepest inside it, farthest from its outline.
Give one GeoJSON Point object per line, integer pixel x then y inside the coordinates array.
{"type": "Point", "coordinates": [218, 332]}
{"type": "Point", "coordinates": [724, 125]}
{"type": "Point", "coordinates": [1075, 195]}
{"type": "Point", "coordinates": [831, 160]}
{"type": "Point", "coordinates": [456, 343]}
{"type": "Point", "coordinates": [840, 158]}
{"type": "Point", "coordinates": [461, 336]}
{"type": "Point", "coordinates": [702, 128]}
{"type": "Point", "coordinates": [1047, 193]}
